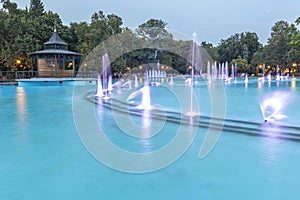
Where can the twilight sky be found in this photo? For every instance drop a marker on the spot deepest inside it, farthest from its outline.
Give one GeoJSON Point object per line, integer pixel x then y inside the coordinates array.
{"type": "Point", "coordinates": [212, 20]}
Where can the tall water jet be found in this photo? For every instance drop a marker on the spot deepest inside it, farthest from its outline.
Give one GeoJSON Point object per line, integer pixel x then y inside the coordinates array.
{"type": "Point", "coordinates": [269, 77]}
{"type": "Point", "coordinates": [222, 71]}
{"type": "Point", "coordinates": [246, 78]}
{"type": "Point", "coordinates": [171, 80]}
{"type": "Point", "coordinates": [263, 72]}
{"type": "Point", "coordinates": [110, 85]}
{"type": "Point", "coordinates": [216, 69]}
{"type": "Point", "coordinates": [277, 77]}
{"type": "Point", "coordinates": [99, 90]}
{"type": "Point", "coordinates": [208, 72]}
{"type": "Point", "coordinates": [136, 83]}
{"type": "Point", "coordinates": [106, 73]}
{"type": "Point", "coordinates": [226, 70]}
{"type": "Point", "coordinates": [191, 112]}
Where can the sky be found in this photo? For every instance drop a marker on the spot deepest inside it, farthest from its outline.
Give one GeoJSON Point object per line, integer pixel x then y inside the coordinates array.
{"type": "Point", "coordinates": [211, 20]}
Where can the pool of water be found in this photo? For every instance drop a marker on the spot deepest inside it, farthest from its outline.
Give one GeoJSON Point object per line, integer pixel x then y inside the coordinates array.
{"type": "Point", "coordinates": [43, 157]}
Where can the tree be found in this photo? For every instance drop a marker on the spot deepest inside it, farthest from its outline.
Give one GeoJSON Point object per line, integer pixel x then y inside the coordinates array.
{"type": "Point", "coordinates": [101, 28]}
{"type": "Point", "coordinates": [153, 30]}
{"type": "Point", "coordinates": [242, 45]}
{"type": "Point", "coordinates": [210, 49]}
{"type": "Point", "coordinates": [242, 65]}
{"type": "Point", "coordinates": [277, 49]}
{"type": "Point", "coordinates": [294, 44]}
{"type": "Point", "coordinates": [36, 8]}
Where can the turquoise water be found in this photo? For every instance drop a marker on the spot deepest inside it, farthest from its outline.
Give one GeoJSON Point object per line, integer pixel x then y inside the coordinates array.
{"type": "Point", "coordinates": [42, 156]}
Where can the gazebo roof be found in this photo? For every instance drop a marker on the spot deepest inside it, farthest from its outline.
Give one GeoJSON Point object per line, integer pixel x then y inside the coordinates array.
{"type": "Point", "coordinates": [56, 51]}
{"type": "Point", "coordinates": [55, 39]}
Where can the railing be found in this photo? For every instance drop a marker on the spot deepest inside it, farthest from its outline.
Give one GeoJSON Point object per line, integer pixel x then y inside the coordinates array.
{"type": "Point", "coordinates": [7, 76]}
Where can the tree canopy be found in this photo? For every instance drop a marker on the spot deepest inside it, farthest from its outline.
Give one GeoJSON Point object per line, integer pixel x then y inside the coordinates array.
{"type": "Point", "coordinates": [26, 30]}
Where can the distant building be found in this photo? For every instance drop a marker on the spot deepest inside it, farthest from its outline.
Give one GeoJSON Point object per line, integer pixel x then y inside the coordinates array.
{"type": "Point", "coordinates": [55, 60]}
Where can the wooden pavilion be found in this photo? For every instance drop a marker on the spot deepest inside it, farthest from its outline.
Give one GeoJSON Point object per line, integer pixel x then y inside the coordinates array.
{"type": "Point", "coordinates": [55, 60]}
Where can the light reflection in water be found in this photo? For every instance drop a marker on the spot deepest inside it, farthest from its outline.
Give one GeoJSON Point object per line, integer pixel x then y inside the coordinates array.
{"type": "Point", "coordinates": [21, 106]}
{"type": "Point", "coordinates": [272, 150]}
{"type": "Point", "coordinates": [147, 131]}
{"type": "Point", "coordinates": [260, 84]}
{"type": "Point", "coordinates": [293, 84]}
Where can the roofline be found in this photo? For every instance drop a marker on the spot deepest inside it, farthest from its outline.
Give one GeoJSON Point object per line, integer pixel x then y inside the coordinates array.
{"type": "Point", "coordinates": [57, 52]}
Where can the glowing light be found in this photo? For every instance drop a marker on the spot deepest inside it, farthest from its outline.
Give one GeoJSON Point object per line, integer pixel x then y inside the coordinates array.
{"type": "Point", "coordinates": [272, 106]}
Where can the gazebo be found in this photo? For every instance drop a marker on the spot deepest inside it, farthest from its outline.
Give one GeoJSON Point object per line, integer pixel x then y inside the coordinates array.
{"type": "Point", "coordinates": [55, 60]}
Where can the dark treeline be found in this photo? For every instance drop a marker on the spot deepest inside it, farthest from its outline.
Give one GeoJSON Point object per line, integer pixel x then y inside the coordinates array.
{"type": "Point", "coordinates": [26, 30]}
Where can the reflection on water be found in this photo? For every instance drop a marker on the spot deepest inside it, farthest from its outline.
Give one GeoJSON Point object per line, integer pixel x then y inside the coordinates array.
{"type": "Point", "coordinates": [293, 84]}
{"type": "Point", "coordinates": [272, 150]}
{"type": "Point", "coordinates": [21, 106]}
{"type": "Point", "coordinates": [260, 85]}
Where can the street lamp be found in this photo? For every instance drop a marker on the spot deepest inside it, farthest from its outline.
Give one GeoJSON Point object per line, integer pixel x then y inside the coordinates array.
{"type": "Point", "coordinates": [294, 67]}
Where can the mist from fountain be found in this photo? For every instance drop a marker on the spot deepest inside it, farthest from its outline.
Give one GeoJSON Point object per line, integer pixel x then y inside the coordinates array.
{"type": "Point", "coordinates": [272, 106]}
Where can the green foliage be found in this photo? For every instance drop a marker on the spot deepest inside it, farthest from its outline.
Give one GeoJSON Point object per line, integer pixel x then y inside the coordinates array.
{"type": "Point", "coordinates": [153, 30]}
{"type": "Point", "coordinates": [242, 45]}
{"type": "Point", "coordinates": [26, 30]}
{"type": "Point", "coordinates": [242, 65]}
{"type": "Point", "coordinates": [277, 51]}
{"type": "Point", "coordinates": [88, 36]}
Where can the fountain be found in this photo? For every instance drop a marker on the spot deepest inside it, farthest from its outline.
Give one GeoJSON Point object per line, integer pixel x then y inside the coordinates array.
{"type": "Point", "coordinates": [269, 77]}
{"type": "Point", "coordinates": [192, 113]}
{"type": "Point", "coordinates": [136, 83]}
{"type": "Point", "coordinates": [127, 84]}
{"type": "Point", "coordinates": [273, 105]}
{"type": "Point", "coordinates": [246, 80]}
{"type": "Point", "coordinates": [222, 71]}
{"type": "Point", "coordinates": [106, 86]}
{"type": "Point", "coordinates": [232, 71]}
{"type": "Point", "coordinates": [145, 100]}
{"type": "Point", "coordinates": [208, 73]}
{"type": "Point", "coordinates": [226, 70]}
{"type": "Point", "coordinates": [171, 80]}
{"type": "Point", "coordinates": [110, 85]}
{"type": "Point", "coordinates": [99, 90]}
{"type": "Point", "coordinates": [188, 81]}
